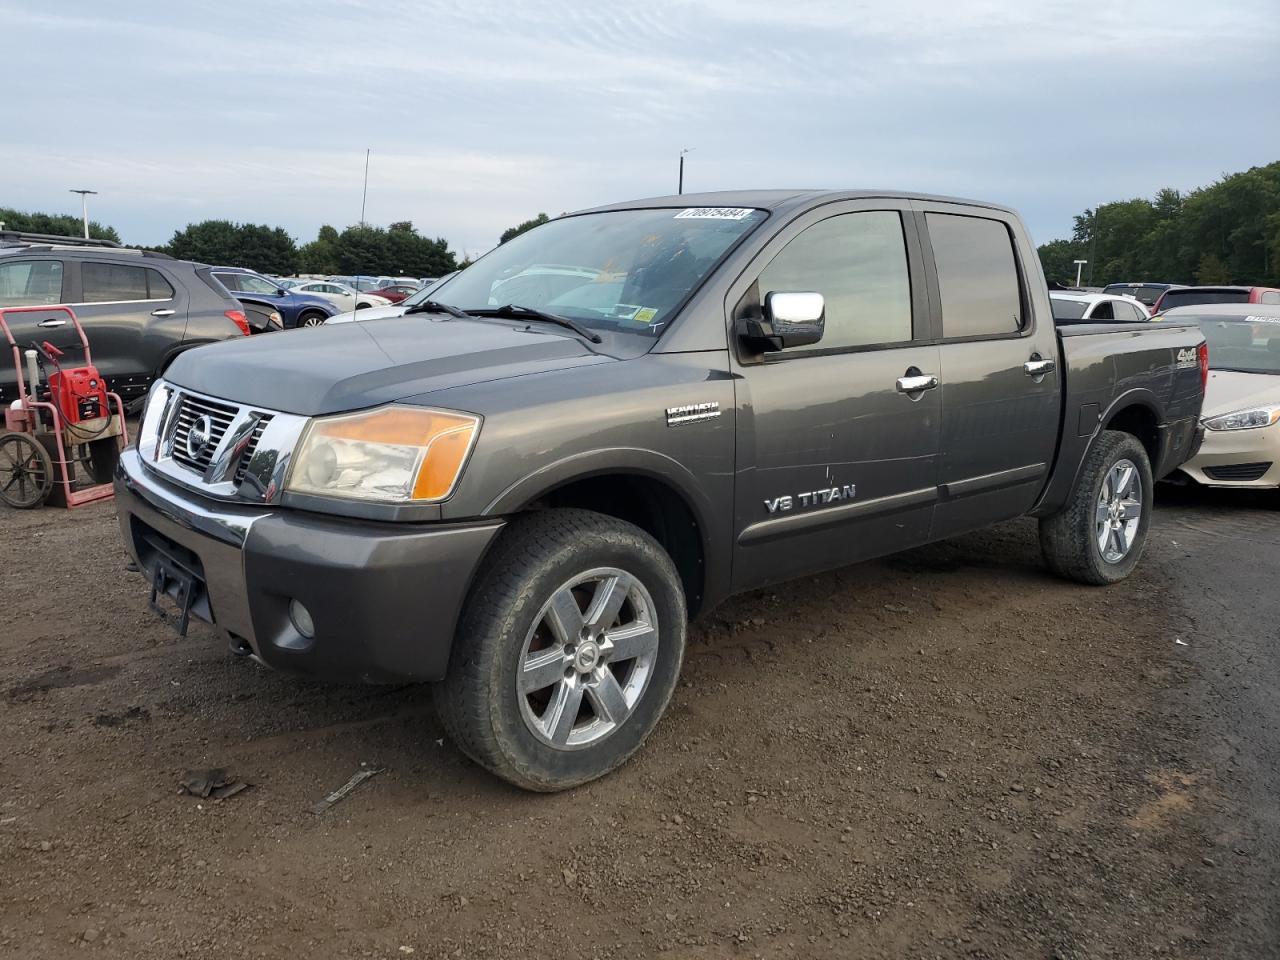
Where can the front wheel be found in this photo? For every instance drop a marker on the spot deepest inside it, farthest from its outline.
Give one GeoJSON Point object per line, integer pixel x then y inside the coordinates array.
{"type": "Point", "coordinates": [311, 320]}
{"type": "Point", "coordinates": [568, 651]}
{"type": "Point", "coordinates": [1098, 536]}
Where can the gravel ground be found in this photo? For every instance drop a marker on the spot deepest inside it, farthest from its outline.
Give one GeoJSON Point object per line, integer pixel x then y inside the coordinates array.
{"type": "Point", "coordinates": [947, 753]}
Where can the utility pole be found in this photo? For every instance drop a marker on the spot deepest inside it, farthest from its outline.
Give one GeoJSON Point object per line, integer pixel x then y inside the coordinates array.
{"type": "Point", "coordinates": [1079, 266]}
{"type": "Point", "coordinates": [365, 195]}
{"type": "Point", "coordinates": [84, 207]}
{"type": "Point", "coordinates": [680, 183]}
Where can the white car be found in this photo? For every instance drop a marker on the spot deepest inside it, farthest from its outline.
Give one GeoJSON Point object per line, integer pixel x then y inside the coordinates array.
{"type": "Point", "coordinates": [1241, 414]}
{"type": "Point", "coordinates": [394, 309]}
{"type": "Point", "coordinates": [1097, 307]}
{"type": "Point", "coordinates": [341, 295]}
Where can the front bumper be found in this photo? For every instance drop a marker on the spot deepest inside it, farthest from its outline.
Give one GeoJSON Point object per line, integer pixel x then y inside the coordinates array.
{"type": "Point", "coordinates": [384, 597]}
{"type": "Point", "coordinates": [1226, 452]}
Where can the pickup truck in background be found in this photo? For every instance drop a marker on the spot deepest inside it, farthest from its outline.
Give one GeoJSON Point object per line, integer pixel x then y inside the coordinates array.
{"type": "Point", "coordinates": [526, 502]}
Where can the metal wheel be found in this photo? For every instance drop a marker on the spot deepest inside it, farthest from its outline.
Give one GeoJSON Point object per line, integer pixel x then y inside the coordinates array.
{"type": "Point", "coordinates": [1119, 511]}
{"type": "Point", "coordinates": [312, 320]}
{"type": "Point", "coordinates": [587, 659]}
{"type": "Point", "coordinates": [26, 471]}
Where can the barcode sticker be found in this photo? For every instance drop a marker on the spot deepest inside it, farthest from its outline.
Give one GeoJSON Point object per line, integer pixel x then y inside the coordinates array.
{"type": "Point", "coordinates": [713, 213]}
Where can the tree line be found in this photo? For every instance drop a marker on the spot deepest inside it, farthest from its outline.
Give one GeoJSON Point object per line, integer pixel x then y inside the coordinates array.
{"type": "Point", "coordinates": [62, 225]}
{"type": "Point", "coordinates": [398, 249]}
{"type": "Point", "coordinates": [1225, 233]}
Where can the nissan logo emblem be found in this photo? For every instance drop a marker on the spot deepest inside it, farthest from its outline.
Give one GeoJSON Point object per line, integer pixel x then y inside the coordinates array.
{"type": "Point", "coordinates": [199, 435]}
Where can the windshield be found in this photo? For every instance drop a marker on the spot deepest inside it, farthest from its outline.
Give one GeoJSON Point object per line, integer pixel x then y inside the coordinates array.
{"type": "Point", "coordinates": [1068, 309]}
{"type": "Point", "coordinates": [425, 293]}
{"type": "Point", "coordinates": [624, 270]}
{"type": "Point", "coordinates": [1183, 298]}
{"type": "Point", "coordinates": [1247, 343]}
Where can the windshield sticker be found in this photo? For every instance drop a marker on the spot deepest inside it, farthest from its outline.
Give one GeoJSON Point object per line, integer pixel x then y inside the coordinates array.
{"type": "Point", "coordinates": [713, 213]}
{"type": "Point", "coordinates": [645, 315]}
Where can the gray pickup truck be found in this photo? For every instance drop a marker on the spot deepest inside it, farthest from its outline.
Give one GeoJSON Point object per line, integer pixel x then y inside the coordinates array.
{"type": "Point", "coordinates": [525, 488]}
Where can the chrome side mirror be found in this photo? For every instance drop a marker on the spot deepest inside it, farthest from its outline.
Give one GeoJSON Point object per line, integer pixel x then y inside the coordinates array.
{"type": "Point", "coordinates": [790, 320]}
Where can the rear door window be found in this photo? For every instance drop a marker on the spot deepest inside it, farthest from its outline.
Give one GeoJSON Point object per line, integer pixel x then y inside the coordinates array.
{"type": "Point", "coordinates": [1102, 311]}
{"type": "Point", "coordinates": [1068, 309]}
{"type": "Point", "coordinates": [1271, 296]}
{"type": "Point", "coordinates": [977, 276]}
{"type": "Point", "coordinates": [112, 282]}
{"type": "Point", "coordinates": [30, 283]}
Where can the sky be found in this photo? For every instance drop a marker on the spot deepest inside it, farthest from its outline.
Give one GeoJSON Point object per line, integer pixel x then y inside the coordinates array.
{"type": "Point", "coordinates": [479, 115]}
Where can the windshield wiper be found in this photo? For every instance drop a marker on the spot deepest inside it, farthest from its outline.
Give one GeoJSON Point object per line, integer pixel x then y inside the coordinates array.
{"type": "Point", "coordinates": [514, 311]}
{"type": "Point", "coordinates": [435, 306]}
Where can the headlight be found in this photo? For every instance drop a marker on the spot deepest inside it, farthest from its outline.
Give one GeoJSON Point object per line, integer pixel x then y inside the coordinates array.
{"type": "Point", "coordinates": [1245, 419]}
{"type": "Point", "coordinates": [392, 454]}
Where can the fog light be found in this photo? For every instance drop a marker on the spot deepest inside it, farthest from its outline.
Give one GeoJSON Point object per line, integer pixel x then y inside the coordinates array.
{"type": "Point", "coordinates": [301, 618]}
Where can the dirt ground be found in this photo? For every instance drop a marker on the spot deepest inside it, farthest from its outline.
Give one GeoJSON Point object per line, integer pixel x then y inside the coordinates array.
{"type": "Point", "coordinates": [944, 754]}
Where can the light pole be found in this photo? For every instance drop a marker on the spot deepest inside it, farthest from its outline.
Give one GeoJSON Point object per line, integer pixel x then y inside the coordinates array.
{"type": "Point", "coordinates": [365, 195]}
{"type": "Point", "coordinates": [84, 207]}
{"type": "Point", "coordinates": [680, 184]}
{"type": "Point", "coordinates": [1079, 266]}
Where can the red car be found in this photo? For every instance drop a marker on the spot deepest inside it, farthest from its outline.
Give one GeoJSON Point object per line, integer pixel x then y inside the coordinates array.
{"type": "Point", "coordinates": [397, 291]}
{"type": "Point", "coordinates": [1186, 296]}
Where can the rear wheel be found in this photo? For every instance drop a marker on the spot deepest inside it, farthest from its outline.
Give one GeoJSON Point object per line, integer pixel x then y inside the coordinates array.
{"type": "Point", "coordinates": [26, 471]}
{"type": "Point", "coordinates": [568, 651]}
{"type": "Point", "coordinates": [311, 320]}
{"type": "Point", "coordinates": [1098, 536]}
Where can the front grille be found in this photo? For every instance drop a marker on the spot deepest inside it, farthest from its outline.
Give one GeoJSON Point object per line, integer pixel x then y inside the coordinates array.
{"type": "Point", "coordinates": [1237, 471]}
{"type": "Point", "coordinates": [245, 457]}
{"type": "Point", "coordinates": [190, 410]}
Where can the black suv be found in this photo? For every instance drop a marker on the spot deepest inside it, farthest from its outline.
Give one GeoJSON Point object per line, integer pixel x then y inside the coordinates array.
{"type": "Point", "coordinates": [139, 309]}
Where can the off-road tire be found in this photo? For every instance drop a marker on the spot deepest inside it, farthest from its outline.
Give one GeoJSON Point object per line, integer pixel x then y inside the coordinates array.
{"type": "Point", "coordinates": [536, 554]}
{"type": "Point", "coordinates": [1068, 539]}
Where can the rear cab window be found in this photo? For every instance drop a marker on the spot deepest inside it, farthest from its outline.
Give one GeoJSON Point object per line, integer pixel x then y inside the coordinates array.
{"type": "Point", "coordinates": [1190, 296]}
{"type": "Point", "coordinates": [977, 276]}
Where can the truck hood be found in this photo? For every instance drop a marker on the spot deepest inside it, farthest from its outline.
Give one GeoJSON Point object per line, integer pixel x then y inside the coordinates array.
{"type": "Point", "coordinates": [320, 370]}
{"type": "Point", "coordinates": [369, 313]}
{"type": "Point", "coordinates": [1230, 390]}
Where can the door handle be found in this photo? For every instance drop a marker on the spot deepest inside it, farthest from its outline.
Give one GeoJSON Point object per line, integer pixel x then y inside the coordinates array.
{"type": "Point", "coordinates": [924, 381]}
{"type": "Point", "coordinates": [163, 313]}
{"type": "Point", "coordinates": [1035, 367]}
{"type": "Point", "coordinates": [48, 324]}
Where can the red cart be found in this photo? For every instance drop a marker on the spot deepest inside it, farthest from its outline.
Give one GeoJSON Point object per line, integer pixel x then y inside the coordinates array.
{"type": "Point", "coordinates": [62, 437]}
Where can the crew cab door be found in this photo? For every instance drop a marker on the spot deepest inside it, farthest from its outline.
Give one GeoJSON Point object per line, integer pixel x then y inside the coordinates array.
{"type": "Point", "coordinates": [836, 461]}
{"type": "Point", "coordinates": [1001, 392]}
{"type": "Point", "coordinates": [131, 314]}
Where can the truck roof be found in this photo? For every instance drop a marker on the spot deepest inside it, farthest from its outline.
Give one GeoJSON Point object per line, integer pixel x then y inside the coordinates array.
{"type": "Point", "coordinates": [774, 200]}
